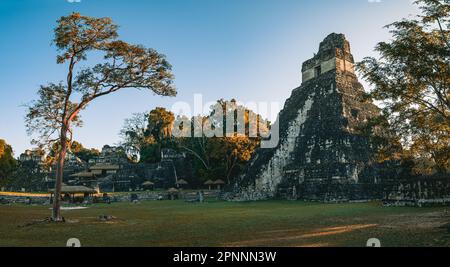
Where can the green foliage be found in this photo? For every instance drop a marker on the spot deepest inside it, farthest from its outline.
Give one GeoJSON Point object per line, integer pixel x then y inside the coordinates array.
{"type": "Point", "coordinates": [85, 154]}
{"type": "Point", "coordinates": [7, 162]}
{"type": "Point", "coordinates": [212, 158]}
{"type": "Point", "coordinates": [158, 134]}
{"type": "Point", "coordinates": [76, 148]}
{"type": "Point", "coordinates": [53, 116]}
{"type": "Point", "coordinates": [151, 153]}
{"type": "Point", "coordinates": [160, 124]}
{"type": "Point", "coordinates": [145, 134]}
{"type": "Point", "coordinates": [29, 175]}
{"type": "Point", "coordinates": [124, 65]}
{"type": "Point", "coordinates": [412, 80]}
{"type": "Point", "coordinates": [46, 115]}
{"type": "Point", "coordinates": [133, 135]}
{"type": "Point", "coordinates": [17, 175]}
{"type": "Point", "coordinates": [224, 157]}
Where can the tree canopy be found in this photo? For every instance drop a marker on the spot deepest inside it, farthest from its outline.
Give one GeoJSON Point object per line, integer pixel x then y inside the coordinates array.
{"type": "Point", "coordinates": [411, 79]}
{"type": "Point", "coordinates": [144, 134]}
{"type": "Point", "coordinates": [224, 155]}
{"type": "Point", "coordinates": [212, 157]}
{"type": "Point", "coordinates": [52, 117]}
{"type": "Point", "coordinates": [124, 66]}
{"type": "Point", "coordinates": [7, 162]}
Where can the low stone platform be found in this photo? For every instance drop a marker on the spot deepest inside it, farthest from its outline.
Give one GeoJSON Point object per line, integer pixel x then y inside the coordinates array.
{"type": "Point", "coordinates": [114, 197]}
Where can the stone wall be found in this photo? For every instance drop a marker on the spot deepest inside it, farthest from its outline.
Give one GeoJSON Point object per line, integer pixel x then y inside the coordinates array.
{"type": "Point", "coordinates": [158, 195]}
{"type": "Point", "coordinates": [24, 200]}
{"type": "Point", "coordinates": [122, 197]}
{"type": "Point", "coordinates": [418, 192]}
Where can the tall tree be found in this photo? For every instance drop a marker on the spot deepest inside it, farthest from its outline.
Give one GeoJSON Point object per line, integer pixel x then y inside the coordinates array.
{"type": "Point", "coordinates": [7, 162]}
{"type": "Point", "coordinates": [226, 155]}
{"type": "Point", "coordinates": [160, 124]}
{"type": "Point", "coordinates": [85, 154]}
{"type": "Point", "coordinates": [29, 175]}
{"type": "Point", "coordinates": [133, 134]}
{"type": "Point", "coordinates": [124, 65]}
{"type": "Point", "coordinates": [158, 134]}
{"type": "Point", "coordinates": [144, 134]}
{"type": "Point", "coordinates": [412, 80]}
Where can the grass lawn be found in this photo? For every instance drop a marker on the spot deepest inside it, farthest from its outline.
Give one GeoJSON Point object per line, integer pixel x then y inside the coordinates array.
{"type": "Point", "coordinates": [271, 223]}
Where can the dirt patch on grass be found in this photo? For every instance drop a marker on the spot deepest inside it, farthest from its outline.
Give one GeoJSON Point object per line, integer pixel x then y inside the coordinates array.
{"type": "Point", "coordinates": [300, 235]}
{"type": "Point", "coordinates": [229, 224]}
{"type": "Point", "coordinates": [436, 223]}
{"type": "Point", "coordinates": [338, 230]}
{"type": "Point", "coordinates": [431, 220]}
{"type": "Point", "coordinates": [315, 245]}
{"type": "Point", "coordinates": [45, 221]}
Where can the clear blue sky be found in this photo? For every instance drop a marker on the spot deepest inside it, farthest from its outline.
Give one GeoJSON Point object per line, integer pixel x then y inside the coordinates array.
{"type": "Point", "coordinates": [250, 50]}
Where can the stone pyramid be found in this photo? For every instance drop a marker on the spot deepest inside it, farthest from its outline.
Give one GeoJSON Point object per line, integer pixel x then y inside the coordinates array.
{"type": "Point", "coordinates": [320, 155]}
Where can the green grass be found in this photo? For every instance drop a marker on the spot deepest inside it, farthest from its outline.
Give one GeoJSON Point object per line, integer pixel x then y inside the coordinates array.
{"type": "Point", "coordinates": [271, 223]}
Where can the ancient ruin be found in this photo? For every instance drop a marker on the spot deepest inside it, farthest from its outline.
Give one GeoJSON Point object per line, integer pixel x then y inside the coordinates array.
{"type": "Point", "coordinates": [320, 155]}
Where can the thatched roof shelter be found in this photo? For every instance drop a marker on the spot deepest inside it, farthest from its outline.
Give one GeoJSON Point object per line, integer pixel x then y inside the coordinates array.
{"type": "Point", "coordinates": [219, 182]}
{"type": "Point", "coordinates": [173, 190]}
{"type": "Point", "coordinates": [182, 182]}
{"type": "Point", "coordinates": [209, 182]}
{"type": "Point", "coordinates": [148, 183]}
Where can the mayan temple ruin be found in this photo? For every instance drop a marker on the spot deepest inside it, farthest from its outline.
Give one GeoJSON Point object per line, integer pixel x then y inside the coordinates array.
{"type": "Point", "coordinates": [320, 155]}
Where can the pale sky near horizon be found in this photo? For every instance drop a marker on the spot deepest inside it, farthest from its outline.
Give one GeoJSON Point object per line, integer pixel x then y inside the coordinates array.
{"type": "Point", "coordinates": [250, 50]}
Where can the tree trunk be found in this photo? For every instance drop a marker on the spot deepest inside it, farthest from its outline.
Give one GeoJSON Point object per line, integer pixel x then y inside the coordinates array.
{"type": "Point", "coordinates": [56, 215]}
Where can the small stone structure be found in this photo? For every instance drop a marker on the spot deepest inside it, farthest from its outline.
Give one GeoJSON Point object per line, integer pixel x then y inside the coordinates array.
{"type": "Point", "coordinates": [112, 172]}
